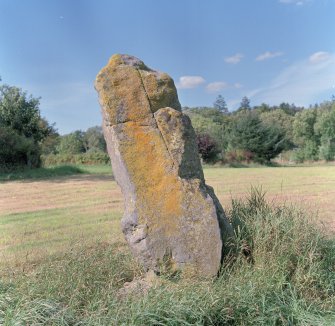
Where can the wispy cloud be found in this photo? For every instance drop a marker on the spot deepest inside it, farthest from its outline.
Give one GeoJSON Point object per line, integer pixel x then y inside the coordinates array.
{"type": "Point", "coordinates": [268, 55]}
{"type": "Point", "coordinates": [238, 85]}
{"type": "Point", "coordinates": [216, 86]}
{"type": "Point", "coordinates": [236, 58]}
{"type": "Point", "coordinates": [295, 2]}
{"type": "Point", "coordinates": [187, 82]}
{"type": "Point", "coordinates": [319, 57]}
{"type": "Point", "coordinates": [300, 83]}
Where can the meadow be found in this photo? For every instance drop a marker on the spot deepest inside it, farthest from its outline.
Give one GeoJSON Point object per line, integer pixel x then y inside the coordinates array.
{"type": "Point", "coordinates": [63, 258]}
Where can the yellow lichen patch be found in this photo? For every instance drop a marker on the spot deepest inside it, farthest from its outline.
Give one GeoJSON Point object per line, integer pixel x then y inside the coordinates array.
{"type": "Point", "coordinates": [158, 190]}
{"type": "Point", "coordinates": [114, 83]}
{"type": "Point", "coordinates": [161, 90]}
{"type": "Point", "coordinates": [129, 91]}
{"type": "Point", "coordinates": [115, 60]}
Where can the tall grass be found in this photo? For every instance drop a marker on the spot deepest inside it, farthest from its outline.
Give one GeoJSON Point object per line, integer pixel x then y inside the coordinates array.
{"type": "Point", "coordinates": [287, 278]}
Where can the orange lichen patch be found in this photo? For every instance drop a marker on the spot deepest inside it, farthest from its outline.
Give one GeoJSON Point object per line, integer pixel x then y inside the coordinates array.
{"type": "Point", "coordinates": [150, 168]}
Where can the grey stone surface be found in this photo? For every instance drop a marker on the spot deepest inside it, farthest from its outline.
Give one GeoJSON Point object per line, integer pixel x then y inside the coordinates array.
{"type": "Point", "coordinates": [172, 220]}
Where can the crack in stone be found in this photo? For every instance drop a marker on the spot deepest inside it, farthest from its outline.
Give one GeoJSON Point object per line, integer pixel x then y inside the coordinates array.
{"type": "Point", "coordinates": [174, 163]}
{"type": "Point", "coordinates": [127, 121]}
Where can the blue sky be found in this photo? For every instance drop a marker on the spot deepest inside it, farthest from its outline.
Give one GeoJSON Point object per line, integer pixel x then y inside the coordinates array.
{"type": "Point", "coordinates": [272, 51]}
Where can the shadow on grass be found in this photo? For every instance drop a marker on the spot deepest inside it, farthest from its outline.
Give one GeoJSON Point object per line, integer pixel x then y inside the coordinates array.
{"type": "Point", "coordinates": [41, 173]}
{"type": "Point", "coordinates": [254, 165]}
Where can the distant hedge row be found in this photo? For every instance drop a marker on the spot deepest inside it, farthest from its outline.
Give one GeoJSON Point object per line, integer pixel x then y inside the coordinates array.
{"type": "Point", "coordinates": [83, 158]}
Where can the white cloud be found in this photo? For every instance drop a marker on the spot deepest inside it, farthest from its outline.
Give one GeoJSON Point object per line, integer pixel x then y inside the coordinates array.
{"type": "Point", "coordinates": [300, 83]}
{"type": "Point", "coordinates": [219, 86]}
{"type": "Point", "coordinates": [216, 86]}
{"type": "Point", "coordinates": [268, 55]}
{"type": "Point", "coordinates": [236, 58]}
{"type": "Point", "coordinates": [296, 2]}
{"type": "Point", "coordinates": [319, 57]}
{"type": "Point", "coordinates": [186, 82]}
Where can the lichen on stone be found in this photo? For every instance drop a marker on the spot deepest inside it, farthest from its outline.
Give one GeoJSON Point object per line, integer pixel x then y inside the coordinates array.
{"type": "Point", "coordinates": [169, 210]}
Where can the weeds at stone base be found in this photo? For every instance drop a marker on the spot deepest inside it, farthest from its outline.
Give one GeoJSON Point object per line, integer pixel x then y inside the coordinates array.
{"type": "Point", "coordinates": [291, 281]}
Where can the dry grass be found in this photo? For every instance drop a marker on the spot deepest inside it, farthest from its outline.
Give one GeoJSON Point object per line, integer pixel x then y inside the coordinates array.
{"type": "Point", "coordinates": [309, 187]}
{"type": "Point", "coordinates": [63, 257]}
{"type": "Point", "coordinates": [42, 217]}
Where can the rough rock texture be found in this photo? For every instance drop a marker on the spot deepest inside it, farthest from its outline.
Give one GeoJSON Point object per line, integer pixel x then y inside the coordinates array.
{"type": "Point", "coordinates": [139, 286]}
{"type": "Point", "coordinates": [172, 219]}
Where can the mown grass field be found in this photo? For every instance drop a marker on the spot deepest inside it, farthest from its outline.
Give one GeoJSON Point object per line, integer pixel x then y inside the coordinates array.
{"type": "Point", "coordinates": [50, 214]}
{"type": "Point", "coordinates": [39, 217]}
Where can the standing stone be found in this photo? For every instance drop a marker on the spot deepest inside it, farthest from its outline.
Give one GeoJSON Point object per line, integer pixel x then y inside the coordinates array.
{"type": "Point", "coordinates": [172, 219]}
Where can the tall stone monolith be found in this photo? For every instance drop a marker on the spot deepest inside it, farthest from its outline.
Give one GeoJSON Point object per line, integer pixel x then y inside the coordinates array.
{"type": "Point", "coordinates": [172, 219]}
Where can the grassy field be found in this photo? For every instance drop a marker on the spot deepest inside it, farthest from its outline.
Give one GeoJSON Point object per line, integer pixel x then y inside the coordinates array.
{"type": "Point", "coordinates": [43, 215]}
{"type": "Point", "coordinates": [47, 215]}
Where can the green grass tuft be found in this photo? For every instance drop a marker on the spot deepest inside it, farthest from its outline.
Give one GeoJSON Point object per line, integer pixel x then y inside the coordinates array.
{"type": "Point", "coordinates": [289, 281]}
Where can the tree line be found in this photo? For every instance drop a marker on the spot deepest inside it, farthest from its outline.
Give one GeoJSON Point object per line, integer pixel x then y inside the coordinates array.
{"type": "Point", "coordinates": [29, 140]}
{"type": "Point", "coordinates": [261, 133]}
{"type": "Point", "coordinates": [258, 133]}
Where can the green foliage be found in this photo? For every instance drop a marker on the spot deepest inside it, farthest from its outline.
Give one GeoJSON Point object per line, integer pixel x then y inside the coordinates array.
{"type": "Point", "coordinates": [50, 144]}
{"type": "Point", "coordinates": [325, 129]}
{"type": "Point", "coordinates": [282, 121]}
{"type": "Point", "coordinates": [314, 132]}
{"type": "Point", "coordinates": [51, 141]}
{"type": "Point", "coordinates": [211, 122]}
{"type": "Point", "coordinates": [90, 158]}
{"type": "Point", "coordinates": [94, 140]}
{"type": "Point", "coordinates": [262, 108]}
{"type": "Point", "coordinates": [220, 104]}
{"type": "Point", "coordinates": [289, 280]}
{"type": "Point", "coordinates": [17, 150]}
{"type": "Point", "coordinates": [290, 109]}
{"type": "Point", "coordinates": [78, 147]}
{"type": "Point", "coordinates": [72, 143]}
{"type": "Point", "coordinates": [22, 128]}
{"type": "Point", "coordinates": [245, 104]}
{"type": "Point", "coordinates": [248, 133]}
{"type": "Point", "coordinates": [21, 113]}
{"type": "Point", "coordinates": [327, 150]}
{"type": "Point", "coordinates": [309, 133]}
{"type": "Point", "coordinates": [304, 133]}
